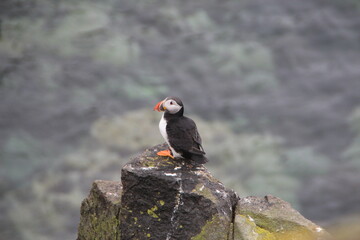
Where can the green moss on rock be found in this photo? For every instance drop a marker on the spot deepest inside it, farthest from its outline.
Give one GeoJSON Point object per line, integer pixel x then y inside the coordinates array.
{"type": "Point", "coordinates": [214, 229]}
{"type": "Point", "coordinates": [100, 212]}
{"type": "Point", "coordinates": [246, 229]}
{"type": "Point", "coordinates": [271, 218]}
{"type": "Point", "coordinates": [102, 226]}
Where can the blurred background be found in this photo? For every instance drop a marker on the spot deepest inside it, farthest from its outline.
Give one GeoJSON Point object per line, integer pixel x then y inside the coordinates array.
{"type": "Point", "coordinates": [273, 86]}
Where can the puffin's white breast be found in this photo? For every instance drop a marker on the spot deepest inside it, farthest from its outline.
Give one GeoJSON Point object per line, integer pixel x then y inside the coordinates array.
{"type": "Point", "coordinates": [162, 127]}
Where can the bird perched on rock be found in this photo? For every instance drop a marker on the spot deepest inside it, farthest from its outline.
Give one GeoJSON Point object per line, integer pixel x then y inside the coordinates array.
{"type": "Point", "coordinates": [179, 132]}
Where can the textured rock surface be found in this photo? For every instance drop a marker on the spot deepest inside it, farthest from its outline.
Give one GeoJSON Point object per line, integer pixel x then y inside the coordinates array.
{"type": "Point", "coordinates": [272, 218]}
{"type": "Point", "coordinates": [161, 198]}
{"type": "Point", "coordinates": [100, 212]}
{"type": "Point", "coordinates": [167, 199]}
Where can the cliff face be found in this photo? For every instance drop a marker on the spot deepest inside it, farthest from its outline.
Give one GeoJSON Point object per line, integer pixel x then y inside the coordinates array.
{"type": "Point", "coordinates": [162, 198]}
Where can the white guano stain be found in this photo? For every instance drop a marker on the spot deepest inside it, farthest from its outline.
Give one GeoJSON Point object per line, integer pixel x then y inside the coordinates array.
{"type": "Point", "coordinates": [170, 174]}
{"type": "Point", "coordinates": [250, 218]}
{"type": "Point", "coordinates": [176, 207]}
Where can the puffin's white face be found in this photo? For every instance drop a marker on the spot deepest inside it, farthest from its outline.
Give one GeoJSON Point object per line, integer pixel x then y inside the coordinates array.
{"type": "Point", "coordinates": [171, 106]}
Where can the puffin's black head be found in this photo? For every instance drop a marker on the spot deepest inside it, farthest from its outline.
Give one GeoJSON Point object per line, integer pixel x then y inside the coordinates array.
{"type": "Point", "coordinates": [172, 105]}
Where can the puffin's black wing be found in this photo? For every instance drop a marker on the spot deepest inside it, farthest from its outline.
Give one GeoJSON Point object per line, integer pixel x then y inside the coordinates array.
{"type": "Point", "coordinates": [184, 137]}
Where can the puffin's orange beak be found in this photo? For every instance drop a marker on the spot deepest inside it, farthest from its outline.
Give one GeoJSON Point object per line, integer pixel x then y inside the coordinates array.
{"type": "Point", "coordinates": [158, 107]}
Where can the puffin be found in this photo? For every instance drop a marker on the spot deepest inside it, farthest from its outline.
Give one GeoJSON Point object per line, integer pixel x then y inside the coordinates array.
{"type": "Point", "coordinates": [180, 132]}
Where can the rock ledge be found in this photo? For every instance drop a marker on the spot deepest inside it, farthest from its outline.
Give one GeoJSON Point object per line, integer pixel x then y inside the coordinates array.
{"type": "Point", "coordinates": [161, 198]}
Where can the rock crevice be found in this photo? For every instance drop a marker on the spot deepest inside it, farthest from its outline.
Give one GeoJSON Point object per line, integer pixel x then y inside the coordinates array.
{"type": "Point", "coordinates": [161, 198]}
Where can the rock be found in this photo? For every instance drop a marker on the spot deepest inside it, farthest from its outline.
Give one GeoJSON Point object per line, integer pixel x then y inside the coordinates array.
{"type": "Point", "coordinates": [167, 199]}
{"type": "Point", "coordinates": [100, 212]}
{"type": "Point", "coordinates": [273, 219]}
{"type": "Point", "coordinates": [164, 199]}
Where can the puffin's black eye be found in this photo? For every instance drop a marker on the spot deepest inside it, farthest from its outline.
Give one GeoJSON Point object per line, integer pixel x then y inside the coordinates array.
{"type": "Point", "coordinates": [171, 103]}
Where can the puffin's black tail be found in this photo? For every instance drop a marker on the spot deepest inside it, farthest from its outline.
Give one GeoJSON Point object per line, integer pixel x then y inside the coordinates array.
{"type": "Point", "coordinates": [195, 155]}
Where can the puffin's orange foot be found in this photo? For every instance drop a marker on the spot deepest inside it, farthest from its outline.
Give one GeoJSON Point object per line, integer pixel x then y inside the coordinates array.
{"type": "Point", "coordinates": [165, 153]}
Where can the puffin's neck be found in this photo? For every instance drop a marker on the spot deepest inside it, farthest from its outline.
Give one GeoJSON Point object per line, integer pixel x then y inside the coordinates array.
{"type": "Point", "coordinates": [169, 116]}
